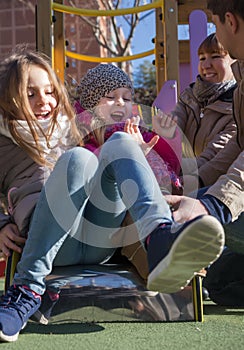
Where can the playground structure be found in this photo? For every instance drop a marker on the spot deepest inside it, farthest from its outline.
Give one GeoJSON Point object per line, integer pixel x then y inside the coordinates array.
{"type": "Point", "coordinates": [112, 292]}
{"type": "Point", "coordinates": [168, 51]}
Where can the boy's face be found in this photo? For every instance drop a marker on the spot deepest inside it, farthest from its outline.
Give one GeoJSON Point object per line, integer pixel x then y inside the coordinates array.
{"type": "Point", "coordinates": [222, 33]}
{"type": "Point", "coordinates": [116, 106]}
{"type": "Point", "coordinates": [230, 34]}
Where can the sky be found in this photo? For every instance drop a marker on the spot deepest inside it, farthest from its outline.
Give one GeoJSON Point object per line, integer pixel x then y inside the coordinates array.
{"type": "Point", "coordinates": [142, 40]}
{"type": "Point", "coordinates": [143, 35]}
{"type": "Point", "coordinates": [145, 32]}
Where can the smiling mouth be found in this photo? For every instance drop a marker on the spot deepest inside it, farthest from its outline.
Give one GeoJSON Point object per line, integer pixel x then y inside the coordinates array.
{"type": "Point", "coordinates": [117, 117]}
{"type": "Point", "coordinates": [42, 115]}
{"type": "Point", "coordinates": [209, 75]}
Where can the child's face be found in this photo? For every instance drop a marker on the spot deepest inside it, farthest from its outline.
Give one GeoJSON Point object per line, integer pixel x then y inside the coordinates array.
{"type": "Point", "coordinates": [215, 67]}
{"type": "Point", "coordinates": [116, 106]}
{"type": "Point", "coordinates": [40, 93]}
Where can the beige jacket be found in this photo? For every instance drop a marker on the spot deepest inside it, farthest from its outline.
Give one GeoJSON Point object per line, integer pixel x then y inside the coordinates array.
{"type": "Point", "coordinates": [21, 179]}
{"type": "Point", "coordinates": [229, 184]}
{"type": "Point", "coordinates": [206, 129]}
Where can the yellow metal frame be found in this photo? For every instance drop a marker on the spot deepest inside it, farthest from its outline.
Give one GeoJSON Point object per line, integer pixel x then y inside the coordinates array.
{"type": "Point", "coordinates": [108, 59]}
{"type": "Point", "coordinates": [96, 13]}
{"type": "Point", "coordinates": [166, 56]}
{"type": "Point", "coordinates": [197, 298]}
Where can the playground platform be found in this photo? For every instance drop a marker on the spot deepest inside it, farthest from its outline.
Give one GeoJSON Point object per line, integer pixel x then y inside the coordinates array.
{"type": "Point", "coordinates": [116, 293]}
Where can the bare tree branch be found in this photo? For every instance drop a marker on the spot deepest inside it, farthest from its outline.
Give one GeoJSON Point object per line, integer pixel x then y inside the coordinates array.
{"type": "Point", "coordinates": [131, 20]}
{"type": "Point", "coordinates": [29, 4]}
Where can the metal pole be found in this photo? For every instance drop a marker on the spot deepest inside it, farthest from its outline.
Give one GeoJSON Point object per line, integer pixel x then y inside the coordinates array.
{"type": "Point", "coordinates": [59, 43]}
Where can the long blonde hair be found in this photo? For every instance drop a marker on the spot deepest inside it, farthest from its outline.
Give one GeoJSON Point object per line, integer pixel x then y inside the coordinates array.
{"type": "Point", "coordinates": [14, 102]}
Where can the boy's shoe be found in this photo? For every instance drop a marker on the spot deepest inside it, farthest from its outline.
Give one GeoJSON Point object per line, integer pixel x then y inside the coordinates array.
{"type": "Point", "coordinates": [16, 307]}
{"type": "Point", "coordinates": [175, 257]}
{"type": "Point", "coordinates": [43, 314]}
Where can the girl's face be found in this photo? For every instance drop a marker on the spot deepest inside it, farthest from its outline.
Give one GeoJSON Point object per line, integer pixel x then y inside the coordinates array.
{"type": "Point", "coordinates": [215, 67]}
{"type": "Point", "coordinates": [40, 93]}
{"type": "Point", "coordinates": [116, 106]}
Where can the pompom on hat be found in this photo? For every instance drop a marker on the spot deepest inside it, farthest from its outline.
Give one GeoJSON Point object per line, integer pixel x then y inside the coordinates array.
{"type": "Point", "coordinates": [100, 81]}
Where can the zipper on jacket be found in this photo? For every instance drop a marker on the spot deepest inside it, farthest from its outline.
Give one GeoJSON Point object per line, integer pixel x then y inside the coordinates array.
{"type": "Point", "coordinates": [201, 113]}
{"type": "Point", "coordinates": [10, 204]}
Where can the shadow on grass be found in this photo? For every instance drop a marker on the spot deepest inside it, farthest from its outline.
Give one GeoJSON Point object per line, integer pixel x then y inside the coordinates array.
{"type": "Point", "coordinates": [73, 327]}
{"type": "Point", "coordinates": [213, 309]}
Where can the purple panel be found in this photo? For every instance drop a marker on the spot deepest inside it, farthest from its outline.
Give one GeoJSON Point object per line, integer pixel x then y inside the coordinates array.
{"type": "Point", "coordinates": [198, 32]}
{"type": "Point", "coordinates": [185, 75]}
{"type": "Point", "coordinates": [167, 97]}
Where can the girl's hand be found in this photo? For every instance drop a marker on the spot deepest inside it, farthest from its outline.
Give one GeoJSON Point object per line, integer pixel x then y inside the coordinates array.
{"type": "Point", "coordinates": [164, 125]}
{"type": "Point", "coordinates": [131, 127]}
{"type": "Point", "coordinates": [9, 239]}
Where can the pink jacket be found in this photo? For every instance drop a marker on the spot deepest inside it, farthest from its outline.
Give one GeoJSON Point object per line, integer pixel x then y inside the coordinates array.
{"type": "Point", "coordinates": [164, 158]}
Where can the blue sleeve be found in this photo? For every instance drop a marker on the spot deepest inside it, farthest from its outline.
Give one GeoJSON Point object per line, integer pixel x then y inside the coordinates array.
{"type": "Point", "coordinates": [216, 208]}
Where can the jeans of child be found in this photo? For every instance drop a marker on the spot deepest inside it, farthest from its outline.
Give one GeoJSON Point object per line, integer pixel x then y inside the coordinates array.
{"type": "Point", "coordinates": [83, 204]}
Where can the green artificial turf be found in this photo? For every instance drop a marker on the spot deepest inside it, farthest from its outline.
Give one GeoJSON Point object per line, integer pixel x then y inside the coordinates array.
{"type": "Point", "coordinates": [223, 328]}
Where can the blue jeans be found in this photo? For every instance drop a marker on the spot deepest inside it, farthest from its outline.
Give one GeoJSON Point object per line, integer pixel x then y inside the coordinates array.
{"type": "Point", "coordinates": [83, 204]}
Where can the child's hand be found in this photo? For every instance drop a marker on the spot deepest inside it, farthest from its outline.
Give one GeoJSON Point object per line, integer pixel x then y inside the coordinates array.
{"type": "Point", "coordinates": [10, 239]}
{"type": "Point", "coordinates": [131, 127]}
{"type": "Point", "coordinates": [164, 125]}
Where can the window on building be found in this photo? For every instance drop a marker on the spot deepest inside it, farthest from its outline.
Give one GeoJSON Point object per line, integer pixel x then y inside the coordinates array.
{"type": "Point", "coordinates": [73, 47]}
{"type": "Point", "coordinates": [72, 28]}
{"type": "Point", "coordinates": [184, 32]}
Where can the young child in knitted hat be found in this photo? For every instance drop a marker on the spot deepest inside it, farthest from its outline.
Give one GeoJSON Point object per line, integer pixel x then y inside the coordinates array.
{"type": "Point", "coordinates": [105, 102]}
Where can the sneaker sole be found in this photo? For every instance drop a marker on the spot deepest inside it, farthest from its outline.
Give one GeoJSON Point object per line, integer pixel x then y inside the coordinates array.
{"type": "Point", "coordinates": [199, 245]}
{"type": "Point", "coordinates": [10, 338]}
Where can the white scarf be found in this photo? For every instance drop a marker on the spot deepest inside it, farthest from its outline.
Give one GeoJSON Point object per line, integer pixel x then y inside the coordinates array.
{"type": "Point", "coordinates": [59, 142]}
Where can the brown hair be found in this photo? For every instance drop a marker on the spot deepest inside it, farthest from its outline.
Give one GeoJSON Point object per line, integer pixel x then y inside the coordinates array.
{"type": "Point", "coordinates": [14, 102]}
{"type": "Point", "coordinates": [211, 45]}
{"type": "Point", "coordinates": [220, 7]}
